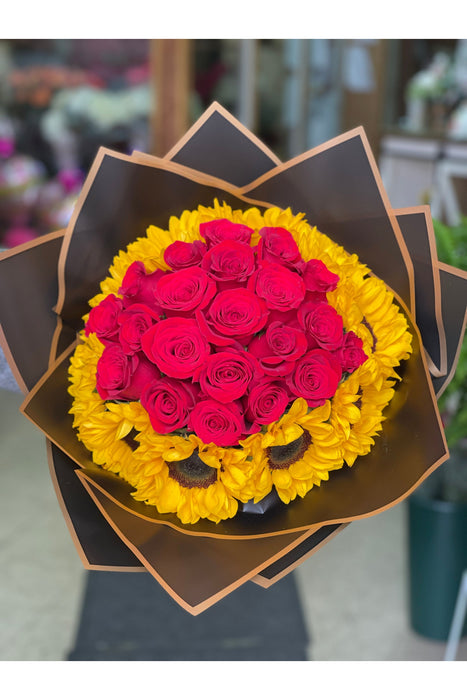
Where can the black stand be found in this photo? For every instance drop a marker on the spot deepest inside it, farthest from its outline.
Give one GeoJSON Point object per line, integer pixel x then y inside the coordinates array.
{"type": "Point", "coordinates": [129, 617]}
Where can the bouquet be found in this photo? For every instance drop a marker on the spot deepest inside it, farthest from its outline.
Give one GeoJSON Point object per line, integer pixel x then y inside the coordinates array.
{"type": "Point", "coordinates": [232, 358]}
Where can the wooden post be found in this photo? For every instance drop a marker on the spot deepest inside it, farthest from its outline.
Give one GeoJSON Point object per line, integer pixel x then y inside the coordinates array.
{"type": "Point", "coordinates": [171, 80]}
{"type": "Point", "coordinates": [367, 108]}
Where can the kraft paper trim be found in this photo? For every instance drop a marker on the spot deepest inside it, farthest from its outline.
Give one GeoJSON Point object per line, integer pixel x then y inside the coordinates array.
{"type": "Point", "coordinates": [268, 582]}
{"type": "Point", "coordinates": [11, 362]}
{"type": "Point", "coordinates": [357, 132]}
{"type": "Point", "coordinates": [216, 107]}
{"type": "Point", "coordinates": [457, 272]}
{"type": "Point", "coordinates": [208, 602]}
{"type": "Point", "coordinates": [425, 210]}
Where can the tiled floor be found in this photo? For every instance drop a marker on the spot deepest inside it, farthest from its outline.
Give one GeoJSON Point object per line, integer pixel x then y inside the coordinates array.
{"type": "Point", "coordinates": [353, 589]}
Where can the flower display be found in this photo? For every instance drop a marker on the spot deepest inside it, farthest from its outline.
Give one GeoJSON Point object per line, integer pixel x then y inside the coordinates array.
{"type": "Point", "coordinates": [225, 346]}
{"type": "Point", "coordinates": [232, 358]}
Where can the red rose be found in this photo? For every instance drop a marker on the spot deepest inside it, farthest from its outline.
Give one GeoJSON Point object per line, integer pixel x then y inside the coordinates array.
{"type": "Point", "coordinates": [350, 355]}
{"type": "Point", "coordinates": [135, 320]}
{"type": "Point", "coordinates": [176, 346]}
{"type": "Point", "coordinates": [185, 290]}
{"type": "Point", "coordinates": [145, 373]}
{"type": "Point", "coordinates": [222, 229]}
{"type": "Point", "coordinates": [230, 261]}
{"type": "Point", "coordinates": [138, 287]}
{"type": "Point", "coordinates": [266, 403]}
{"type": "Point", "coordinates": [227, 375]}
{"type": "Point", "coordinates": [113, 372]}
{"type": "Point", "coordinates": [168, 403]}
{"type": "Point", "coordinates": [181, 254]}
{"type": "Point", "coordinates": [103, 319]}
{"type": "Point", "coordinates": [318, 278]}
{"type": "Point", "coordinates": [271, 362]}
{"type": "Point", "coordinates": [121, 376]}
{"type": "Point", "coordinates": [277, 245]}
{"type": "Point", "coordinates": [287, 342]}
{"type": "Point", "coordinates": [220, 423]}
{"type": "Point", "coordinates": [322, 322]}
{"type": "Point", "coordinates": [315, 377]}
{"type": "Point", "coordinates": [236, 312]}
{"type": "Point", "coordinates": [281, 288]}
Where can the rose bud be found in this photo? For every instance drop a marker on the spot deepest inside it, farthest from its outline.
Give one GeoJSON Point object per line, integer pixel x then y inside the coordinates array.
{"type": "Point", "coordinates": [351, 355]}
{"type": "Point", "coordinates": [220, 423]}
{"type": "Point", "coordinates": [176, 346]}
{"type": "Point", "coordinates": [104, 319]}
{"type": "Point", "coordinates": [135, 320]}
{"type": "Point", "coordinates": [271, 364]}
{"type": "Point", "coordinates": [121, 376]}
{"type": "Point", "coordinates": [322, 322]}
{"type": "Point", "coordinates": [181, 254]}
{"type": "Point", "coordinates": [277, 245]}
{"type": "Point", "coordinates": [168, 403]}
{"type": "Point", "coordinates": [222, 229]}
{"type": "Point", "coordinates": [138, 287]}
{"type": "Point", "coordinates": [318, 278]}
{"type": "Point", "coordinates": [316, 377]}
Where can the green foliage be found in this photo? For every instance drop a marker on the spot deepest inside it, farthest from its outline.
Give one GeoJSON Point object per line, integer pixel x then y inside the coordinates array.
{"type": "Point", "coordinates": [451, 242]}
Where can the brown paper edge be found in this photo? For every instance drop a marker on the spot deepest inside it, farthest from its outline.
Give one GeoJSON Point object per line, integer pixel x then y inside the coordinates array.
{"type": "Point", "coordinates": [18, 250]}
{"type": "Point", "coordinates": [69, 523]}
{"type": "Point", "coordinates": [201, 607]}
{"type": "Point", "coordinates": [358, 131]}
{"type": "Point", "coordinates": [11, 362]}
{"type": "Point", "coordinates": [217, 107]}
{"type": "Point", "coordinates": [268, 582]}
{"type": "Point", "coordinates": [425, 210]}
{"type": "Point", "coordinates": [153, 161]}
{"type": "Point", "coordinates": [40, 240]}
{"type": "Point", "coordinates": [458, 273]}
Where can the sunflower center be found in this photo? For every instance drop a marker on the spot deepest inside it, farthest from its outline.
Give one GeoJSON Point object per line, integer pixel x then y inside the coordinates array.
{"type": "Point", "coordinates": [192, 472]}
{"type": "Point", "coordinates": [283, 456]}
{"type": "Point", "coordinates": [130, 439]}
{"type": "Point", "coordinates": [370, 328]}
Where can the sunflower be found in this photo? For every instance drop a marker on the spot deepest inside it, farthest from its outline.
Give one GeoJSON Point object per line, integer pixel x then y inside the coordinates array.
{"type": "Point", "coordinates": [179, 473]}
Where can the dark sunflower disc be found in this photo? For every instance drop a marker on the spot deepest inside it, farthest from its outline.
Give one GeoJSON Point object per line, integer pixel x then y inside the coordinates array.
{"type": "Point", "coordinates": [192, 472]}
{"type": "Point", "coordinates": [283, 456]}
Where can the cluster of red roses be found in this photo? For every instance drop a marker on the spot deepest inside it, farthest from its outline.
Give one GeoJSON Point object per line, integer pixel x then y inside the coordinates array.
{"type": "Point", "coordinates": [226, 339]}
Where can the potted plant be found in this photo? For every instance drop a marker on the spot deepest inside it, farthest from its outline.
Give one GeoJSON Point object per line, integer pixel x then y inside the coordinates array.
{"type": "Point", "coordinates": [438, 508]}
